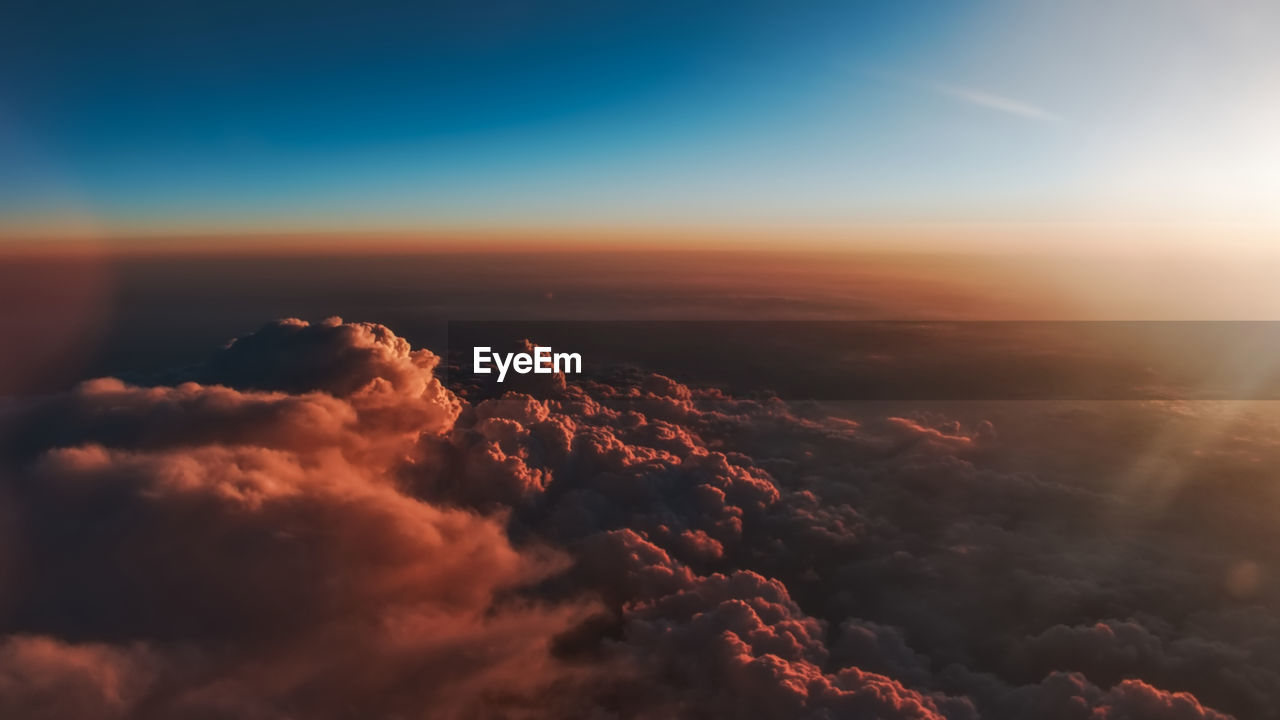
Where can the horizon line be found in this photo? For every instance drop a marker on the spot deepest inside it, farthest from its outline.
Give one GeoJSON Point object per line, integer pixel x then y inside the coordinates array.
{"type": "Point", "coordinates": [919, 235]}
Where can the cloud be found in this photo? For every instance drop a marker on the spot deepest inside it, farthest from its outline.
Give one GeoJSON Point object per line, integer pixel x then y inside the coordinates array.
{"type": "Point", "coordinates": [313, 526]}
{"type": "Point", "coordinates": [970, 96]}
{"type": "Point", "coordinates": [999, 103]}
{"type": "Point", "coordinates": [46, 679]}
{"type": "Point", "coordinates": [206, 551]}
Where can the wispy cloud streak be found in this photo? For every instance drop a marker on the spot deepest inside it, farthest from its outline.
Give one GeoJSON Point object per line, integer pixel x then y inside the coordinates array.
{"type": "Point", "coordinates": [1000, 103]}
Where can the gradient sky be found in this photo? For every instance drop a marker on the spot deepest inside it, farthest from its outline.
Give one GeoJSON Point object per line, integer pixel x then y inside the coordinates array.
{"type": "Point", "coordinates": [170, 116]}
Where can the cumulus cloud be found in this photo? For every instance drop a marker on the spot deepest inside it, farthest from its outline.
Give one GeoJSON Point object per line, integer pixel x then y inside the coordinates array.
{"type": "Point", "coordinates": [314, 527]}
{"type": "Point", "coordinates": [45, 679]}
{"type": "Point", "coordinates": [252, 543]}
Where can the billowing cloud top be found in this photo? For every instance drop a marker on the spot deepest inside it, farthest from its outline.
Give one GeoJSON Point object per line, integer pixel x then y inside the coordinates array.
{"type": "Point", "coordinates": [313, 527]}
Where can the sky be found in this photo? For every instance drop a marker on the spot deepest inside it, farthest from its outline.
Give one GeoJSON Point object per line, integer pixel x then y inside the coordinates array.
{"type": "Point", "coordinates": [279, 115]}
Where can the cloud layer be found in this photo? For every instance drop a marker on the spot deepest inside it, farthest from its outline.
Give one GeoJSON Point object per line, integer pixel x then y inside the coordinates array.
{"type": "Point", "coordinates": [314, 527]}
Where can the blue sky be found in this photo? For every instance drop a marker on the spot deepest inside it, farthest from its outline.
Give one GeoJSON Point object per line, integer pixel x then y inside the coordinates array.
{"type": "Point", "coordinates": [175, 115]}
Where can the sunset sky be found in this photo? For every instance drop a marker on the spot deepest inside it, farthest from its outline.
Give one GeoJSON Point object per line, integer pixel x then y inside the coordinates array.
{"type": "Point", "coordinates": [929, 360]}
{"type": "Point", "coordinates": [241, 117]}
